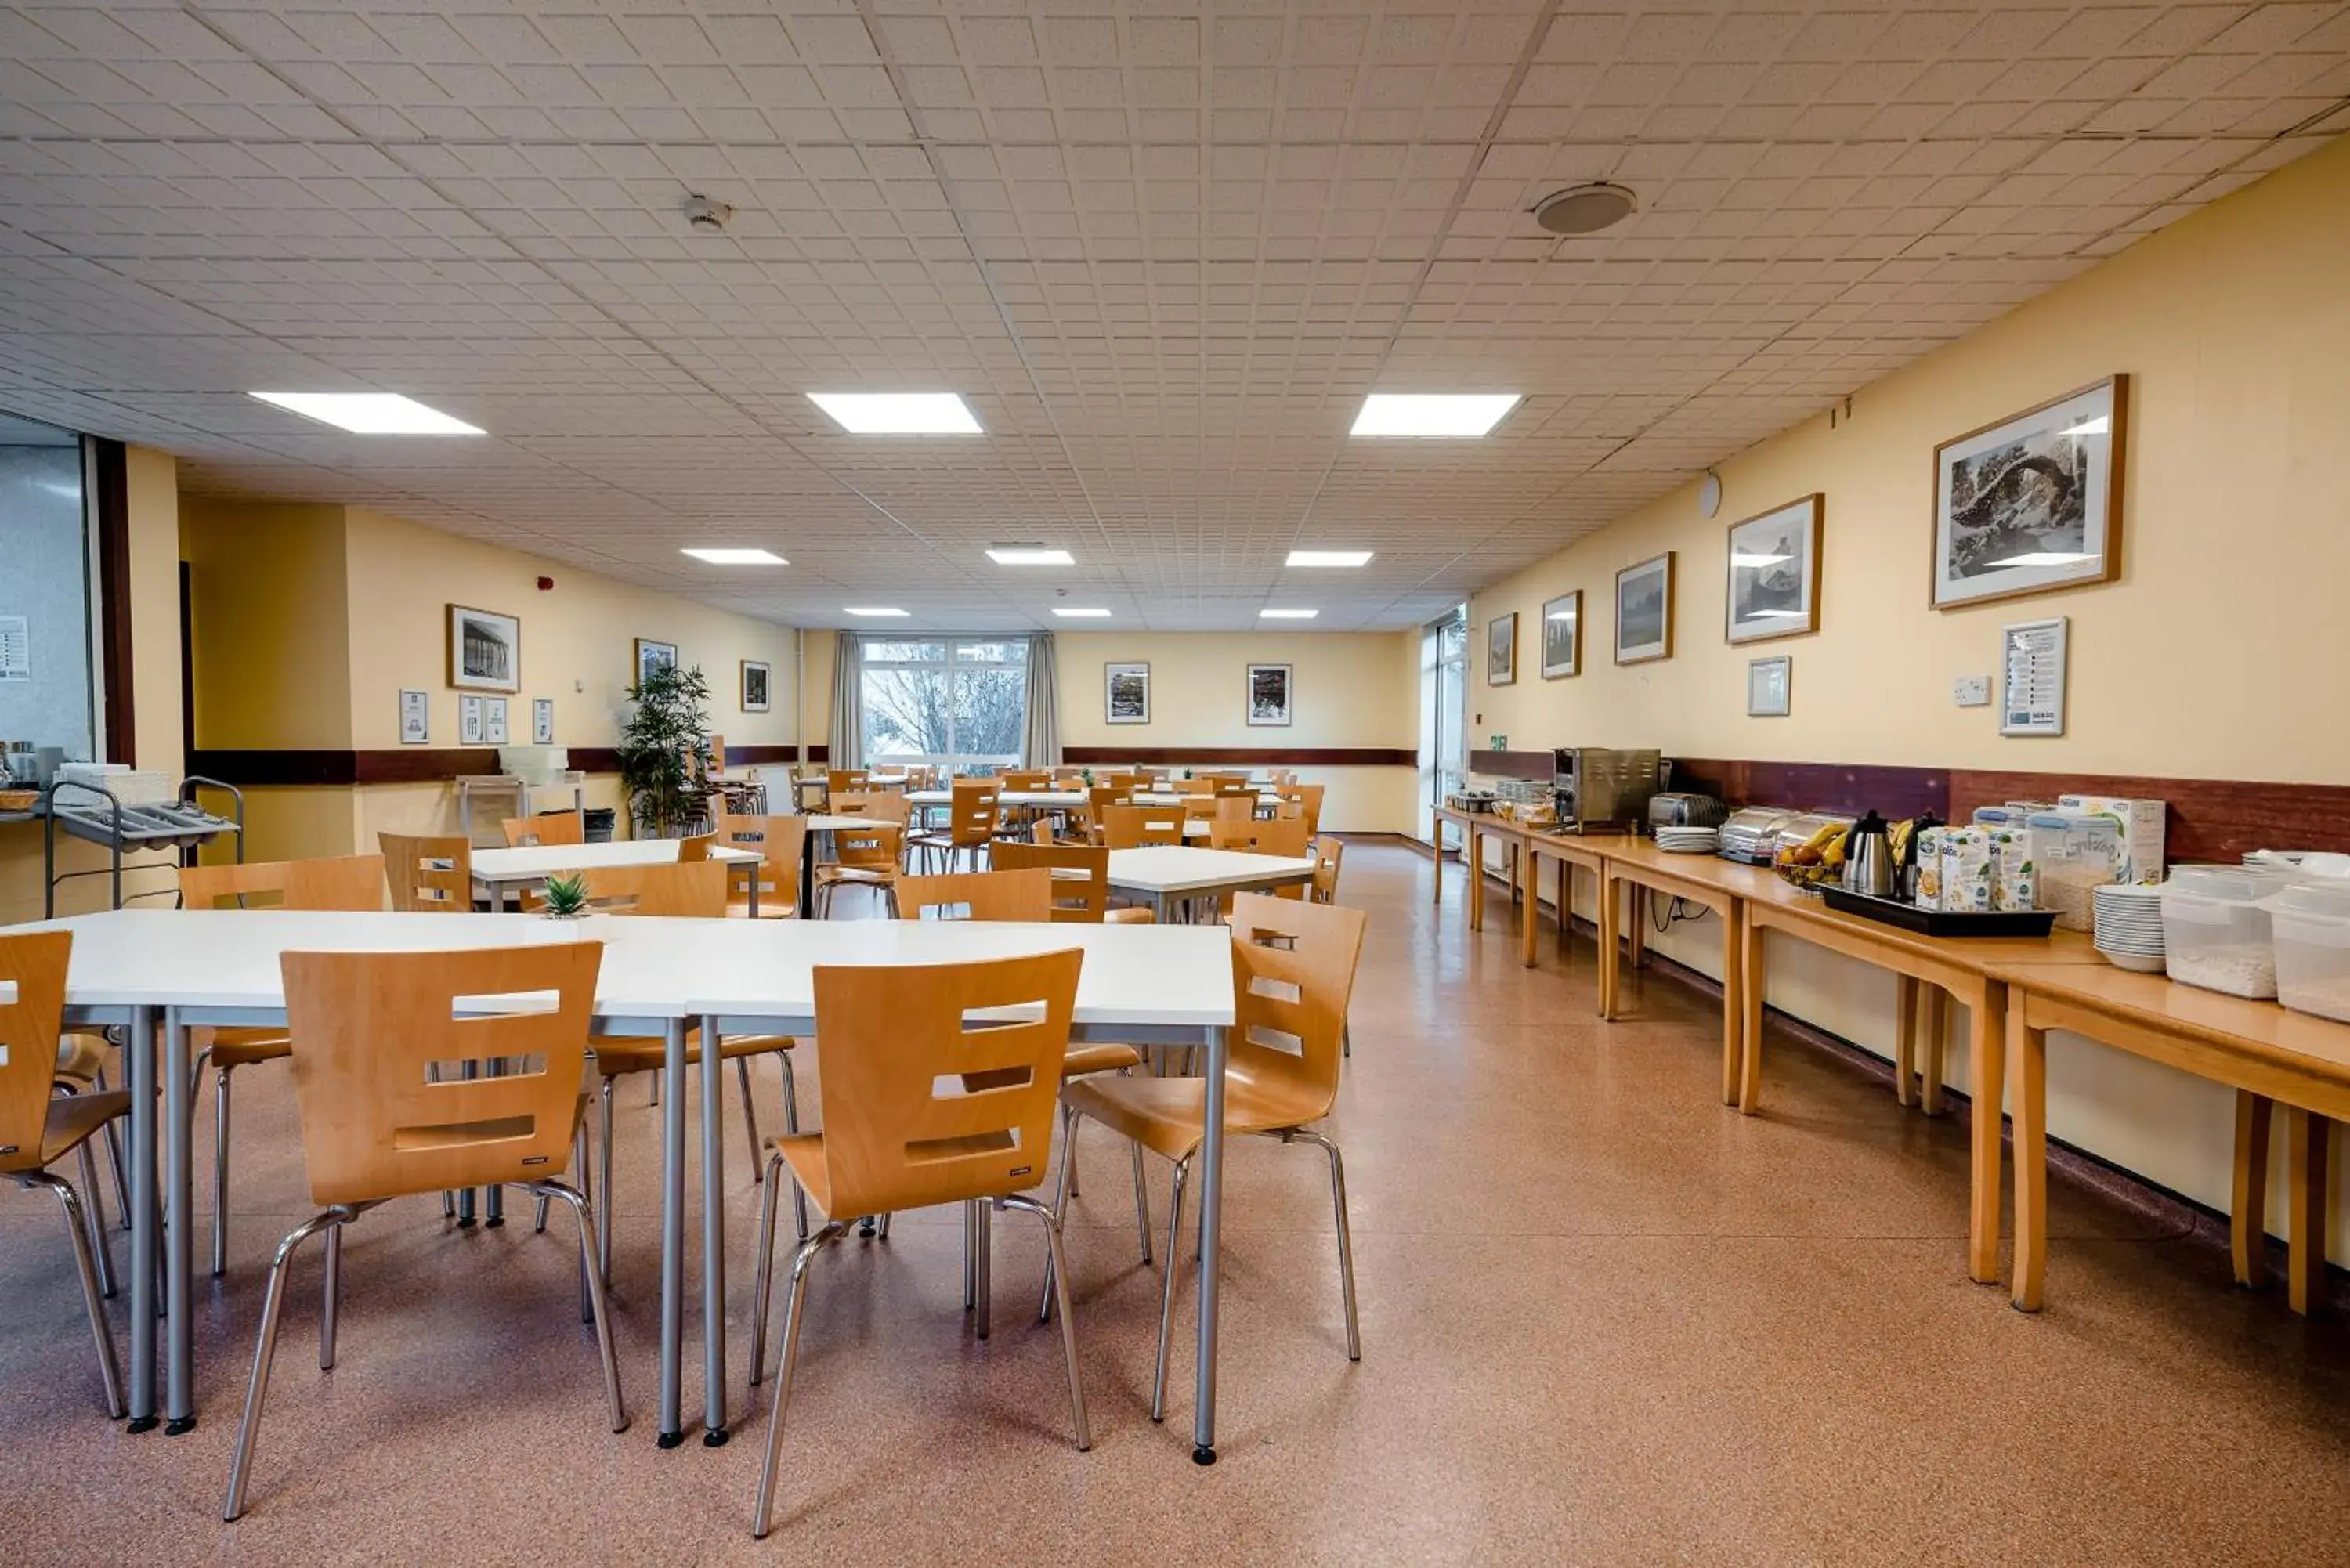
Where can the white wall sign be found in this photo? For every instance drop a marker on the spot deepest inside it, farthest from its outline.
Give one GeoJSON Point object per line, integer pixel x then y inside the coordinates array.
{"type": "Point", "coordinates": [415, 719]}
{"type": "Point", "coordinates": [2031, 691]}
{"type": "Point", "coordinates": [16, 648]}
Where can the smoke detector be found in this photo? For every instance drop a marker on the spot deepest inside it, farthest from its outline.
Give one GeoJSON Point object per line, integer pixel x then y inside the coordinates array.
{"type": "Point", "coordinates": [1585, 209]}
{"type": "Point", "coordinates": [704, 216]}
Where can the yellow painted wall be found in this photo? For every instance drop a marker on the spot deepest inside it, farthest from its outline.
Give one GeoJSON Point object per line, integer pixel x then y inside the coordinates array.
{"type": "Point", "coordinates": [2213, 654]}
{"type": "Point", "coordinates": [153, 534]}
{"type": "Point", "coordinates": [270, 619]}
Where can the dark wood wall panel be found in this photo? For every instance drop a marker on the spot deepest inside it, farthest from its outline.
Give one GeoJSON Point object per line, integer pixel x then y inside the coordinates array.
{"type": "Point", "coordinates": [1539, 765]}
{"type": "Point", "coordinates": [1269, 756]}
{"type": "Point", "coordinates": [1830, 786]}
{"type": "Point", "coordinates": [108, 472]}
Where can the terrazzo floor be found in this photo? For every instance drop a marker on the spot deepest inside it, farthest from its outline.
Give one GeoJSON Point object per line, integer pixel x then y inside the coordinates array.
{"type": "Point", "coordinates": [1605, 1320]}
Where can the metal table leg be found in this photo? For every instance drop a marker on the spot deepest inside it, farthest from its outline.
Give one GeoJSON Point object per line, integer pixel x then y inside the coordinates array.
{"type": "Point", "coordinates": [179, 1231]}
{"type": "Point", "coordinates": [1211, 1208]}
{"type": "Point", "coordinates": [672, 1282]}
{"type": "Point", "coordinates": [139, 1050]}
{"type": "Point", "coordinates": [714, 1237]}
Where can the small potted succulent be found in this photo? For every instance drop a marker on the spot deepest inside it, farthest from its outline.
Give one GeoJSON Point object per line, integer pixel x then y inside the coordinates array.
{"type": "Point", "coordinates": [565, 897]}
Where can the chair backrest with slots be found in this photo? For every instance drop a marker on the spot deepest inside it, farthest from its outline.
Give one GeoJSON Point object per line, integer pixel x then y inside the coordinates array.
{"type": "Point", "coordinates": [1084, 899]}
{"type": "Point", "coordinates": [332, 882]}
{"type": "Point", "coordinates": [781, 843]}
{"type": "Point", "coordinates": [998, 895]}
{"type": "Point", "coordinates": [1292, 973]}
{"type": "Point", "coordinates": [32, 1003]}
{"type": "Point", "coordinates": [429, 876]}
{"type": "Point", "coordinates": [546, 827]}
{"type": "Point", "coordinates": [690, 889]}
{"type": "Point", "coordinates": [1137, 826]}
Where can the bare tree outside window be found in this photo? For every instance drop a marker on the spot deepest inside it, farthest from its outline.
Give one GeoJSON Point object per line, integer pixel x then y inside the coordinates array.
{"type": "Point", "coordinates": [959, 700]}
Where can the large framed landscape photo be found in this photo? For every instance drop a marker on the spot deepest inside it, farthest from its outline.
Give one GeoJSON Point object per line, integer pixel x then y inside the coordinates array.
{"type": "Point", "coordinates": [2032, 503]}
{"type": "Point", "coordinates": [1126, 693]}
{"type": "Point", "coordinates": [1562, 636]}
{"type": "Point", "coordinates": [484, 651]}
{"type": "Point", "coordinates": [1644, 610]}
{"type": "Point", "coordinates": [1774, 572]}
{"type": "Point", "coordinates": [1268, 693]}
{"type": "Point", "coordinates": [1501, 650]}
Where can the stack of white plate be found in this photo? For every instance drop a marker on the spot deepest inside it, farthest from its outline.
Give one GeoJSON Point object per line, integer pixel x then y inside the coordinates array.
{"type": "Point", "coordinates": [2128, 917]}
{"type": "Point", "coordinates": [1688, 840]}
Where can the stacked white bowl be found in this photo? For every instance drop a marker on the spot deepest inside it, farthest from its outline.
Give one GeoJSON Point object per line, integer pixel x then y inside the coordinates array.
{"type": "Point", "coordinates": [1689, 840]}
{"type": "Point", "coordinates": [2129, 919]}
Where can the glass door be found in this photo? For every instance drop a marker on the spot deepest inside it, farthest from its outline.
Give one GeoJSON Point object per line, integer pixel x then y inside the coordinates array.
{"type": "Point", "coordinates": [1443, 726]}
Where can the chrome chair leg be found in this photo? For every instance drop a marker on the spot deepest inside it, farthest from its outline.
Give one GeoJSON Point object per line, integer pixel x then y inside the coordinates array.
{"type": "Point", "coordinates": [792, 1125]}
{"type": "Point", "coordinates": [265, 1350]}
{"type": "Point", "coordinates": [765, 1277]}
{"type": "Point", "coordinates": [763, 1508]}
{"type": "Point", "coordinates": [881, 1229]}
{"type": "Point", "coordinates": [94, 1220]}
{"type": "Point", "coordinates": [1345, 1240]}
{"type": "Point", "coordinates": [1167, 1300]}
{"type": "Point", "coordinates": [970, 1258]}
{"type": "Point", "coordinates": [330, 1298]}
{"type": "Point", "coordinates": [597, 1305]}
{"type": "Point", "coordinates": [538, 1218]}
{"type": "Point", "coordinates": [113, 1134]}
{"type": "Point", "coordinates": [1068, 1319]}
{"type": "Point", "coordinates": [220, 1170]}
{"type": "Point", "coordinates": [1060, 1207]}
{"type": "Point", "coordinates": [604, 1188]}
{"type": "Point", "coordinates": [586, 1263]}
{"type": "Point", "coordinates": [750, 1113]}
{"type": "Point", "coordinates": [982, 1268]}
{"type": "Point", "coordinates": [109, 1369]}
{"type": "Point", "coordinates": [1141, 1203]}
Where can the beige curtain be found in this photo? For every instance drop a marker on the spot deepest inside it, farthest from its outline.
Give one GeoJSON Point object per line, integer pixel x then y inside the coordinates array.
{"type": "Point", "coordinates": [1041, 745]}
{"type": "Point", "coordinates": [848, 742]}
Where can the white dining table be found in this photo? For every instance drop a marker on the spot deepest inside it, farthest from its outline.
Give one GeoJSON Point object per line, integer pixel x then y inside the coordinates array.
{"type": "Point", "coordinates": [158, 972]}
{"type": "Point", "coordinates": [498, 872]}
{"type": "Point", "coordinates": [1169, 873]}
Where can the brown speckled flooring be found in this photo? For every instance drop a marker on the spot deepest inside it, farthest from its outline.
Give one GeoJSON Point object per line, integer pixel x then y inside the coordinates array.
{"type": "Point", "coordinates": [1604, 1321]}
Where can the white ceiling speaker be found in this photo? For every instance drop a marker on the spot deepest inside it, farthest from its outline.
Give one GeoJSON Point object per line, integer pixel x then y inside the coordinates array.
{"type": "Point", "coordinates": [1708, 494]}
{"type": "Point", "coordinates": [1585, 209]}
{"type": "Point", "coordinates": [704, 216]}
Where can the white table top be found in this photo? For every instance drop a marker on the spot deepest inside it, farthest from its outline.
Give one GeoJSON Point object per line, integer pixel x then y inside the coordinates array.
{"type": "Point", "coordinates": [822, 822]}
{"type": "Point", "coordinates": [1046, 797]}
{"type": "Point", "coordinates": [537, 862]}
{"type": "Point", "coordinates": [1170, 869]}
{"type": "Point", "coordinates": [746, 971]}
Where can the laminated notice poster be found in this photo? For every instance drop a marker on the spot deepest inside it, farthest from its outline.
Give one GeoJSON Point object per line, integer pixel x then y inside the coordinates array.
{"type": "Point", "coordinates": [2032, 657]}
{"type": "Point", "coordinates": [15, 649]}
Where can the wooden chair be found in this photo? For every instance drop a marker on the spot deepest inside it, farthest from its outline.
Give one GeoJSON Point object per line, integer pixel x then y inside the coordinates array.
{"type": "Point", "coordinates": [689, 890]}
{"type": "Point", "coordinates": [1080, 880]}
{"type": "Point", "coordinates": [342, 882]}
{"type": "Point", "coordinates": [864, 857]}
{"type": "Point", "coordinates": [1293, 971]}
{"type": "Point", "coordinates": [998, 895]}
{"type": "Point", "coordinates": [1193, 786]}
{"type": "Point", "coordinates": [971, 824]}
{"type": "Point", "coordinates": [367, 1027]}
{"type": "Point", "coordinates": [546, 827]}
{"type": "Point", "coordinates": [1234, 785]}
{"type": "Point", "coordinates": [39, 1128]}
{"type": "Point", "coordinates": [1140, 827]}
{"type": "Point", "coordinates": [1308, 798]}
{"type": "Point", "coordinates": [782, 845]}
{"type": "Point", "coordinates": [841, 781]}
{"type": "Point", "coordinates": [887, 1038]}
{"type": "Point", "coordinates": [428, 875]}
{"type": "Point", "coordinates": [1024, 779]}
{"type": "Point", "coordinates": [695, 846]}
{"type": "Point", "coordinates": [1328, 852]}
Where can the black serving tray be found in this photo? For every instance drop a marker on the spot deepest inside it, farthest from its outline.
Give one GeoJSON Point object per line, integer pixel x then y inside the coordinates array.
{"type": "Point", "coordinates": [1941, 922]}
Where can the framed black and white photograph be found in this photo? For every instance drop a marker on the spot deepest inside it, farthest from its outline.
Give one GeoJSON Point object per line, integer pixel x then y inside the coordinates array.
{"type": "Point", "coordinates": [415, 718]}
{"type": "Point", "coordinates": [653, 656]}
{"type": "Point", "coordinates": [484, 651]}
{"type": "Point", "coordinates": [494, 720]}
{"type": "Point", "coordinates": [469, 721]}
{"type": "Point", "coordinates": [1644, 611]}
{"type": "Point", "coordinates": [1774, 572]}
{"type": "Point", "coordinates": [1268, 693]}
{"type": "Point", "coordinates": [1768, 685]}
{"type": "Point", "coordinates": [755, 676]}
{"type": "Point", "coordinates": [1562, 636]}
{"type": "Point", "coordinates": [2032, 503]}
{"type": "Point", "coordinates": [542, 721]}
{"type": "Point", "coordinates": [1126, 693]}
{"type": "Point", "coordinates": [1502, 649]}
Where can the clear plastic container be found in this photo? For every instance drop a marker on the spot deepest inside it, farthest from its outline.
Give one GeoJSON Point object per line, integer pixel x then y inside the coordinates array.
{"type": "Point", "coordinates": [2215, 927]}
{"type": "Point", "coordinates": [2311, 923]}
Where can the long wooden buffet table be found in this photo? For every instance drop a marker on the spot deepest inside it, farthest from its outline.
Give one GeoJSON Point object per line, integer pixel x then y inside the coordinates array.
{"type": "Point", "coordinates": [2015, 990]}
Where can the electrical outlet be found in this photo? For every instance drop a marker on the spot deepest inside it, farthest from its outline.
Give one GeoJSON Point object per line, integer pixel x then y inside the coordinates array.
{"type": "Point", "coordinates": [1971, 690]}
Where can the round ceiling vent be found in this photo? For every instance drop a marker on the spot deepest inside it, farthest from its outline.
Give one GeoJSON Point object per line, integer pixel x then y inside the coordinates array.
{"type": "Point", "coordinates": [1585, 209]}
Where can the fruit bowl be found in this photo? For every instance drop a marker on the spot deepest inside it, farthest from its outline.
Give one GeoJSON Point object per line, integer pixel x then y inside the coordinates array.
{"type": "Point", "coordinates": [1811, 877]}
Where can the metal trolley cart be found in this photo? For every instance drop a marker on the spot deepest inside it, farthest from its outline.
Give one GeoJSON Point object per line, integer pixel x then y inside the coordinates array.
{"type": "Point", "coordinates": [95, 815]}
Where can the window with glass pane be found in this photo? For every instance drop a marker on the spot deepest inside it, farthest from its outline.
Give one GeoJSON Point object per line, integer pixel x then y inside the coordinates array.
{"type": "Point", "coordinates": [953, 699]}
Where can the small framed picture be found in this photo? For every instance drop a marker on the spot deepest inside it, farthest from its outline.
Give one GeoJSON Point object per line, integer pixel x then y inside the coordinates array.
{"type": "Point", "coordinates": [1268, 693]}
{"type": "Point", "coordinates": [469, 720]}
{"type": "Point", "coordinates": [653, 656]}
{"type": "Point", "coordinates": [415, 718]}
{"type": "Point", "coordinates": [2032, 503]}
{"type": "Point", "coordinates": [1644, 611]}
{"type": "Point", "coordinates": [484, 651]}
{"type": "Point", "coordinates": [1768, 682]}
{"type": "Point", "coordinates": [1774, 572]}
{"type": "Point", "coordinates": [1502, 649]}
{"type": "Point", "coordinates": [1562, 636]}
{"type": "Point", "coordinates": [1126, 693]}
{"type": "Point", "coordinates": [754, 686]}
{"type": "Point", "coordinates": [542, 721]}
{"type": "Point", "coordinates": [494, 720]}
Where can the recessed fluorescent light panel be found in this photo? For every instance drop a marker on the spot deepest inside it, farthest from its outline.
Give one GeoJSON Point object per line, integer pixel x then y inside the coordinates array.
{"type": "Point", "coordinates": [1074, 613]}
{"type": "Point", "coordinates": [898, 413]}
{"type": "Point", "coordinates": [1288, 613]}
{"type": "Point", "coordinates": [370, 413]}
{"type": "Point", "coordinates": [872, 611]}
{"type": "Point", "coordinates": [1029, 556]}
{"type": "Point", "coordinates": [731, 557]}
{"type": "Point", "coordinates": [1457, 416]}
{"type": "Point", "coordinates": [1328, 558]}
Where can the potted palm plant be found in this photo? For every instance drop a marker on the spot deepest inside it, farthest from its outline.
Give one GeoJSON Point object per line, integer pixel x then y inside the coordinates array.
{"type": "Point", "coordinates": [664, 746]}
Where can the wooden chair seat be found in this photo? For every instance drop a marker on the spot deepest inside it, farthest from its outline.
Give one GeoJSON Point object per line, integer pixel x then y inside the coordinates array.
{"type": "Point", "coordinates": [647, 1054]}
{"type": "Point", "coordinates": [80, 1057]}
{"type": "Point", "coordinates": [242, 1047]}
{"type": "Point", "coordinates": [871, 876]}
{"type": "Point", "coordinates": [1099, 1059]}
{"type": "Point", "coordinates": [1138, 916]}
{"type": "Point", "coordinates": [73, 1119]}
{"type": "Point", "coordinates": [1168, 1116]}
